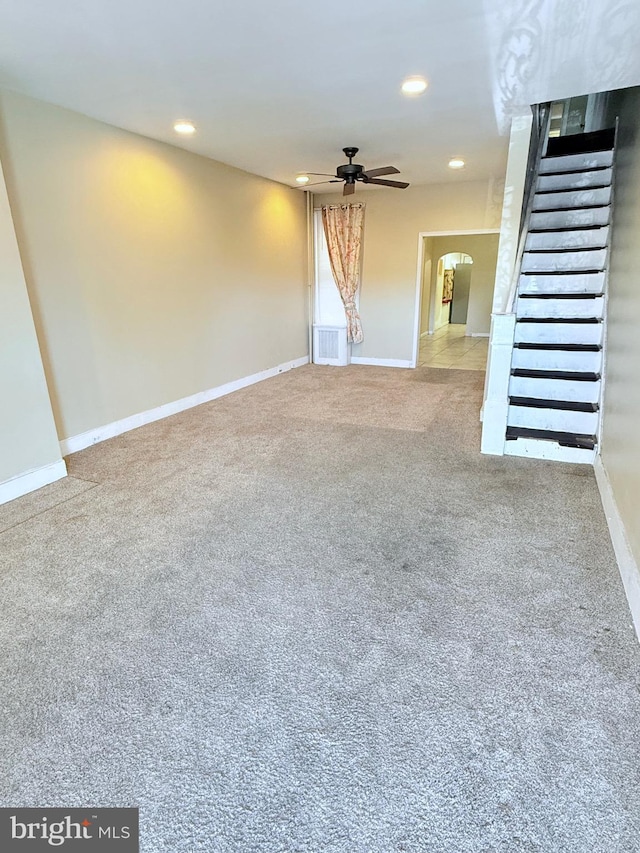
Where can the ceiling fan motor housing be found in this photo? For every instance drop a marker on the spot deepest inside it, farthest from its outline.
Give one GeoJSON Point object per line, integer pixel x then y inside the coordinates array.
{"type": "Point", "coordinates": [350, 172]}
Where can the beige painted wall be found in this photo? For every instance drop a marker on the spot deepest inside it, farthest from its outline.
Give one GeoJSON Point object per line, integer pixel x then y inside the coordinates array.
{"type": "Point", "coordinates": [393, 221]}
{"type": "Point", "coordinates": [28, 438]}
{"type": "Point", "coordinates": [153, 273]}
{"type": "Point", "coordinates": [621, 412]}
{"type": "Point", "coordinates": [483, 248]}
{"type": "Point", "coordinates": [427, 272]}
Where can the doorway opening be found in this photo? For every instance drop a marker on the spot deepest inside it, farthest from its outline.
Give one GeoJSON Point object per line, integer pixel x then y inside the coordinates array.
{"type": "Point", "coordinates": [455, 289]}
{"type": "Point", "coordinates": [452, 285]}
{"type": "Point", "coordinates": [445, 343]}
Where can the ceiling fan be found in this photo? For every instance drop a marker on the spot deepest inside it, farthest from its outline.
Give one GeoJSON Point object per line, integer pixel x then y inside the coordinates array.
{"type": "Point", "coordinates": [351, 172]}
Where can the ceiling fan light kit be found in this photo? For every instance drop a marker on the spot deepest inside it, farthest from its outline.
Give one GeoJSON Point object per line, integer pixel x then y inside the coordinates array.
{"type": "Point", "coordinates": [350, 173]}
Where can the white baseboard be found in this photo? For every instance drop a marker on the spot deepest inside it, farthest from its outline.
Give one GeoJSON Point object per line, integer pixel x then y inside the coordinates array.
{"type": "Point", "coordinates": [479, 335]}
{"type": "Point", "coordinates": [21, 485]}
{"type": "Point", "coordinates": [383, 362]}
{"type": "Point", "coordinates": [94, 436]}
{"type": "Point", "coordinates": [627, 565]}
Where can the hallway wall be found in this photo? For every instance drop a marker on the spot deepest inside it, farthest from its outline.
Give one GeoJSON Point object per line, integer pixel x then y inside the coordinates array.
{"type": "Point", "coordinates": [621, 414]}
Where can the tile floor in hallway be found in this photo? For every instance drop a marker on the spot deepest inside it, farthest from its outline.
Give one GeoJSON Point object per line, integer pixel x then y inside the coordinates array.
{"type": "Point", "coordinates": [450, 347]}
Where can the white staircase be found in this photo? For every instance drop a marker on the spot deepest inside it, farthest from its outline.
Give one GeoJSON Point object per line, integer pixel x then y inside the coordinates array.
{"type": "Point", "coordinates": [557, 359]}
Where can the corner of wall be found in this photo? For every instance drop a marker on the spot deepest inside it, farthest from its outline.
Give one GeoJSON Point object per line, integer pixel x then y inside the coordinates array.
{"type": "Point", "coordinates": [29, 451]}
{"type": "Point", "coordinates": [627, 564]}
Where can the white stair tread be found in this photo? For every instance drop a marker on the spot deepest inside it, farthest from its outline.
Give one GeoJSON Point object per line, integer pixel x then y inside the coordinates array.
{"type": "Point", "coordinates": [571, 162]}
{"type": "Point", "coordinates": [573, 198]}
{"type": "Point", "coordinates": [570, 333]}
{"type": "Point", "coordinates": [556, 360]}
{"type": "Point", "coordinates": [560, 307]}
{"type": "Point", "coordinates": [557, 420]}
{"type": "Point", "coordinates": [595, 238]}
{"type": "Point", "coordinates": [591, 259]}
{"type": "Point", "coordinates": [555, 389]}
{"type": "Point", "coordinates": [570, 283]}
{"type": "Point", "coordinates": [570, 218]}
{"type": "Point", "coordinates": [574, 180]}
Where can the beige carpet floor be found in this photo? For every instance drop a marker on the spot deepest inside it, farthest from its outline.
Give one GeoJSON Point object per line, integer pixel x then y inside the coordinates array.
{"type": "Point", "coordinates": [310, 617]}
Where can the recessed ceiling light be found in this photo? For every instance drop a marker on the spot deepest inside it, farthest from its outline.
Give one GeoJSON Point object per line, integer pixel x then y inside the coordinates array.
{"type": "Point", "coordinates": [303, 179]}
{"type": "Point", "coordinates": [456, 163]}
{"type": "Point", "coordinates": [184, 127]}
{"type": "Point", "coordinates": [414, 85]}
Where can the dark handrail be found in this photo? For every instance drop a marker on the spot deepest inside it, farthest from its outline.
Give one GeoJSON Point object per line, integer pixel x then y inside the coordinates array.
{"type": "Point", "coordinates": [537, 148]}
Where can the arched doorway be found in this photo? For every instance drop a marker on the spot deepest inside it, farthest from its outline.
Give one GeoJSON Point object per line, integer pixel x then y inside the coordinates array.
{"type": "Point", "coordinates": [451, 290]}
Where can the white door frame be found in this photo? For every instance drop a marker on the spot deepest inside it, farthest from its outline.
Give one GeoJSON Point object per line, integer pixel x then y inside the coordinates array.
{"type": "Point", "coordinates": [418, 305]}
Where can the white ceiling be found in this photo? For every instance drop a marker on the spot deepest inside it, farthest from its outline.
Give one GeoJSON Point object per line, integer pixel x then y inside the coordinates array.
{"type": "Point", "coordinates": [277, 87]}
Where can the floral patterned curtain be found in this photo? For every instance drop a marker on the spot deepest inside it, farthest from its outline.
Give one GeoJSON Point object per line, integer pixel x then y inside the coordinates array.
{"type": "Point", "coordinates": [343, 226]}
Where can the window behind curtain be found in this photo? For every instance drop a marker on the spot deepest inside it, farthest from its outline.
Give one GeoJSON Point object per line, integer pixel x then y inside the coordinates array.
{"type": "Point", "coordinates": [328, 307]}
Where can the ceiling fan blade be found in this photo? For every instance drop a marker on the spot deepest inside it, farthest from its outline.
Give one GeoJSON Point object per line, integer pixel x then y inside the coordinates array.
{"type": "Point", "coordinates": [401, 185]}
{"type": "Point", "coordinates": [383, 170]}
{"type": "Point", "coordinates": [349, 189]}
{"type": "Point", "coordinates": [321, 174]}
{"type": "Point", "coordinates": [317, 184]}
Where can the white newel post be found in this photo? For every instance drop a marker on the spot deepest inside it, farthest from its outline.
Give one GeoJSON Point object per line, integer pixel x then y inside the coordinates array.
{"type": "Point", "coordinates": [496, 403]}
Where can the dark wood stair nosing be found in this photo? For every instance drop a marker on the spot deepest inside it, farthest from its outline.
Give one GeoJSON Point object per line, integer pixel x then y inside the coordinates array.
{"type": "Point", "coordinates": [564, 439]}
{"type": "Point", "coordinates": [561, 375]}
{"type": "Point", "coordinates": [582, 171]}
{"type": "Point", "coordinates": [558, 347]}
{"type": "Point", "coordinates": [582, 321]}
{"type": "Point", "coordinates": [567, 229]}
{"type": "Point", "coordinates": [560, 295]}
{"type": "Point", "coordinates": [573, 189]}
{"type": "Point", "coordinates": [561, 272]}
{"type": "Point", "coordinates": [560, 405]}
{"type": "Point", "coordinates": [568, 250]}
{"type": "Point", "coordinates": [567, 209]}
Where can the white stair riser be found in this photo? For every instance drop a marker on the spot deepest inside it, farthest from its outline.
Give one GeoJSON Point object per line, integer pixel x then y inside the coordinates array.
{"type": "Point", "coordinates": [576, 198]}
{"type": "Point", "coordinates": [559, 333]}
{"type": "Point", "coordinates": [593, 238]}
{"type": "Point", "coordinates": [558, 420]}
{"type": "Point", "coordinates": [578, 180]}
{"type": "Point", "coordinates": [555, 389]}
{"type": "Point", "coordinates": [592, 259]}
{"type": "Point", "coordinates": [556, 360]}
{"type": "Point", "coordinates": [560, 307]}
{"type": "Point", "coordinates": [570, 218]}
{"type": "Point", "coordinates": [578, 283]}
{"type": "Point", "coordinates": [571, 162]}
